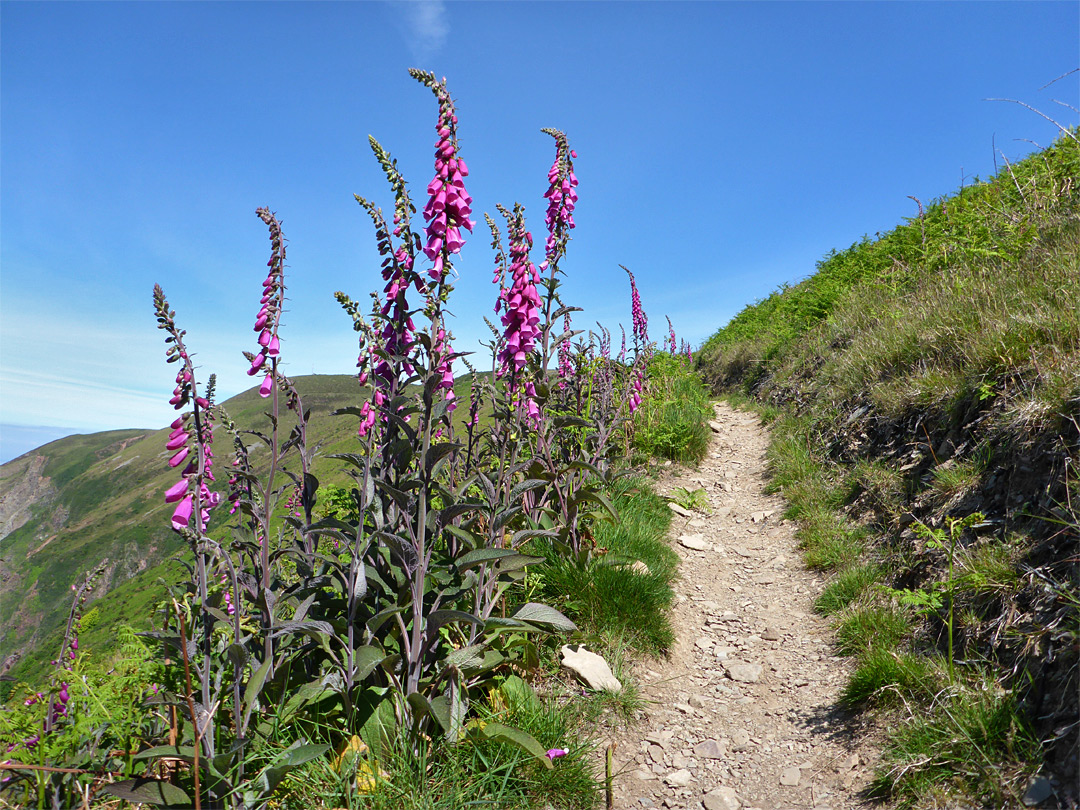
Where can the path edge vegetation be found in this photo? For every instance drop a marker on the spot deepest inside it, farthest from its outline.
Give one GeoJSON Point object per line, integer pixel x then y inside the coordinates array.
{"type": "Point", "coordinates": [923, 391]}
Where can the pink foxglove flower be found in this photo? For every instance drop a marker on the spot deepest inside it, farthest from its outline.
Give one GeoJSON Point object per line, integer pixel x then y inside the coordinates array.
{"type": "Point", "coordinates": [449, 204]}
{"type": "Point", "coordinates": [554, 753]}
{"type": "Point", "coordinates": [181, 518]}
{"type": "Point", "coordinates": [562, 198]}
{"type": "Point", "coordinates": [193, 431]}
{"type": "Point", "coordinates": [271, 304]}
{"type": "Point", "coordinates": [641, 322]}
{"type": "Point", "coordinates": [520, 301]}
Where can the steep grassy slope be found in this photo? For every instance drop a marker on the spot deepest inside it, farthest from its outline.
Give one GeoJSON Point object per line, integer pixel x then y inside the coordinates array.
{"type": "Point", "coordinates": [96, 500]}
{"type": "Point", "coordinates": [926, 386]}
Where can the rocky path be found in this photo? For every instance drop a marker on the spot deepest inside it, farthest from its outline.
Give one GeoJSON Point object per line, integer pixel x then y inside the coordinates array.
{"type": "Point", "coordinates": [743, 712]}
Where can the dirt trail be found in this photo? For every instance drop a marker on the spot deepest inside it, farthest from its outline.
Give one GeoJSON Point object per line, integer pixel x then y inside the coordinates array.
{"type": "Point", "coordinates": [743, 712]}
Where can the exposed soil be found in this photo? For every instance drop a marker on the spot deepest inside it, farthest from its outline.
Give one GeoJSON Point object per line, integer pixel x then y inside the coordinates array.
{"type": "Point", "coordinates": [743, 713]}
{"type": "Point", "coordinates": [23, 486]}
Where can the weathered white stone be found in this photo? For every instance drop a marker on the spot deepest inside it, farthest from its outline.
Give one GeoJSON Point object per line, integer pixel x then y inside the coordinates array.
{"type": "Point", "coordinates": [722, 798]}
{"type": "Point", "coordinates": [678, 510]}
{"type": "Point", "coordinates": [790, 777]}
{"type": "Point", "coordinates": [743, 672]}
{"type": "Point", "coordinates": [694, 541]}
{"type": "Point", "coordinates": [680, 778]}
{"type": "Point", "coordinates": [590, 667]}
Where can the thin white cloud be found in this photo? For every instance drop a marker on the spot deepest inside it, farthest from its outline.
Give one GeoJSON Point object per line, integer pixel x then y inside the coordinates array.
{"type": "Point", "coordinates": [427, 26]}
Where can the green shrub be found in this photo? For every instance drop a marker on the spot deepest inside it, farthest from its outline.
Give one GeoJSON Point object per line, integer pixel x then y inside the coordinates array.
{"type": "Point", "coordinates": [672, 420]}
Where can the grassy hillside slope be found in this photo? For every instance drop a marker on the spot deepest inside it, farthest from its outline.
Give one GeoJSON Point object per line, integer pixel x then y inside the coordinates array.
{"type": "Point", "coordinates": [926, 387]}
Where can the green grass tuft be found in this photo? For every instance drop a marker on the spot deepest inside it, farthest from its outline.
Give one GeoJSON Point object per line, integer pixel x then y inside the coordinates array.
{"type": "Point", "coordinates": [888, 677]}
{"type": "Point", "coordinates": [866, 626]}
{"type": "Point", "coordinates": [847, 586]}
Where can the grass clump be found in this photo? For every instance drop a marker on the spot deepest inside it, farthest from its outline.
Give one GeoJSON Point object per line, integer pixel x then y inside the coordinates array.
{"type": "Point", "coordinates": [889, 676]}
{"type": "Point", "coordinates": [607, 597]}
{"type": "Point", "coordinates": [867, 626]}
{"type": "Point", "coordinates": [970, 744]}
{"type": "Point", "coordinates": [672, 420]}
{"type": "Point", "coordinates": [847, 586]}
{"type": "Point", "coordinates": [829, 541]}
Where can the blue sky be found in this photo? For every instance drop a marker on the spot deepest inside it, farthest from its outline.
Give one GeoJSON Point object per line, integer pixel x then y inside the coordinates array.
{"type": "Point", "coordinates": [724, 148]}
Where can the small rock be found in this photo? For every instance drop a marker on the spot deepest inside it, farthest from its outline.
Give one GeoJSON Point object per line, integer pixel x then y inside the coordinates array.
{"type": "Point", "coordinates": [709, 749]}
{"type": "Point", "coordinates": [590, 667]}
{"type": "Point", "coordinates": [704, 643]}
{"type": "Point", "coordinates": [765, 579]}
{"type": "Point", "coordinates": [757, 517]}
{"type": "Point", "coordinates": [716, 427]}
{"type": "Point", "coordinates": [770, 635]}
{"type": "Point", "coordinates": [680, 778]}
{"type": "Point", "coordinates": [645, 801]}
{"type": "Point", "coordinates": [740, 739]}
{"type": "Point", "coordinates": [678, 510]}
{"type": "Point", "coordinates": [640, 568]}
{"type": "Point", "coordinates": [1038, 791]}
{"type": "Point", "coordinates": [847, 764]}
{"type": "Point", "coordinates": [661, 738]}
{"type": "Point", "coordinates": [697, 701]}
{"type": "Point", "coordinates": [694, 541]}
{"type": "Point", "coordinates": [742, 672]}
{"type": "Point", "coordinates": [790, 777]}
{"type": "Point", "coordinates": [722, 798]}
{"type": "Point", "coordinates": [656, 753]}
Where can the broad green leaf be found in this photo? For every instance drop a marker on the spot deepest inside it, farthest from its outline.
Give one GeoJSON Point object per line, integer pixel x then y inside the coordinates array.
{"type": "Point", "coordinates": [255, 684]}
{"type": "Point", "coordinates": [148, 791]}
{"type": "Point", "coordinates": [466, 657]}
{"type": "Point", "coordinates": [516, 737]}
{"type": "Point", "coordinates": [483, 555]}
{"type": "Point", "coordinates": [271, 776]}
{"type": "Point", "coordinates": [365, 659]}
{"type": "Point", "coordinates": [525, 486]}
{"type": "Point", "coordinates": [437, 618]}
{"type": "Point", "coordinates": [182, 752]}
{"type": "Point", "coordinates": [311, 627]}
{"type": "Point", "coordinates": [440, 710]}
{"type": "Point", "coordinates": [537, 613]}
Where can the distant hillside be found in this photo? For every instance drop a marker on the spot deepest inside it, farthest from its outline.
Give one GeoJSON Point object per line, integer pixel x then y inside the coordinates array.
{"type": "Point", "coordinates": [89, 500]}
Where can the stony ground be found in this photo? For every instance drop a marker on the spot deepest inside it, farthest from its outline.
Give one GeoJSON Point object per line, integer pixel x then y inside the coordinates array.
{"type": "Point", "coordinates": [743, 713]}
